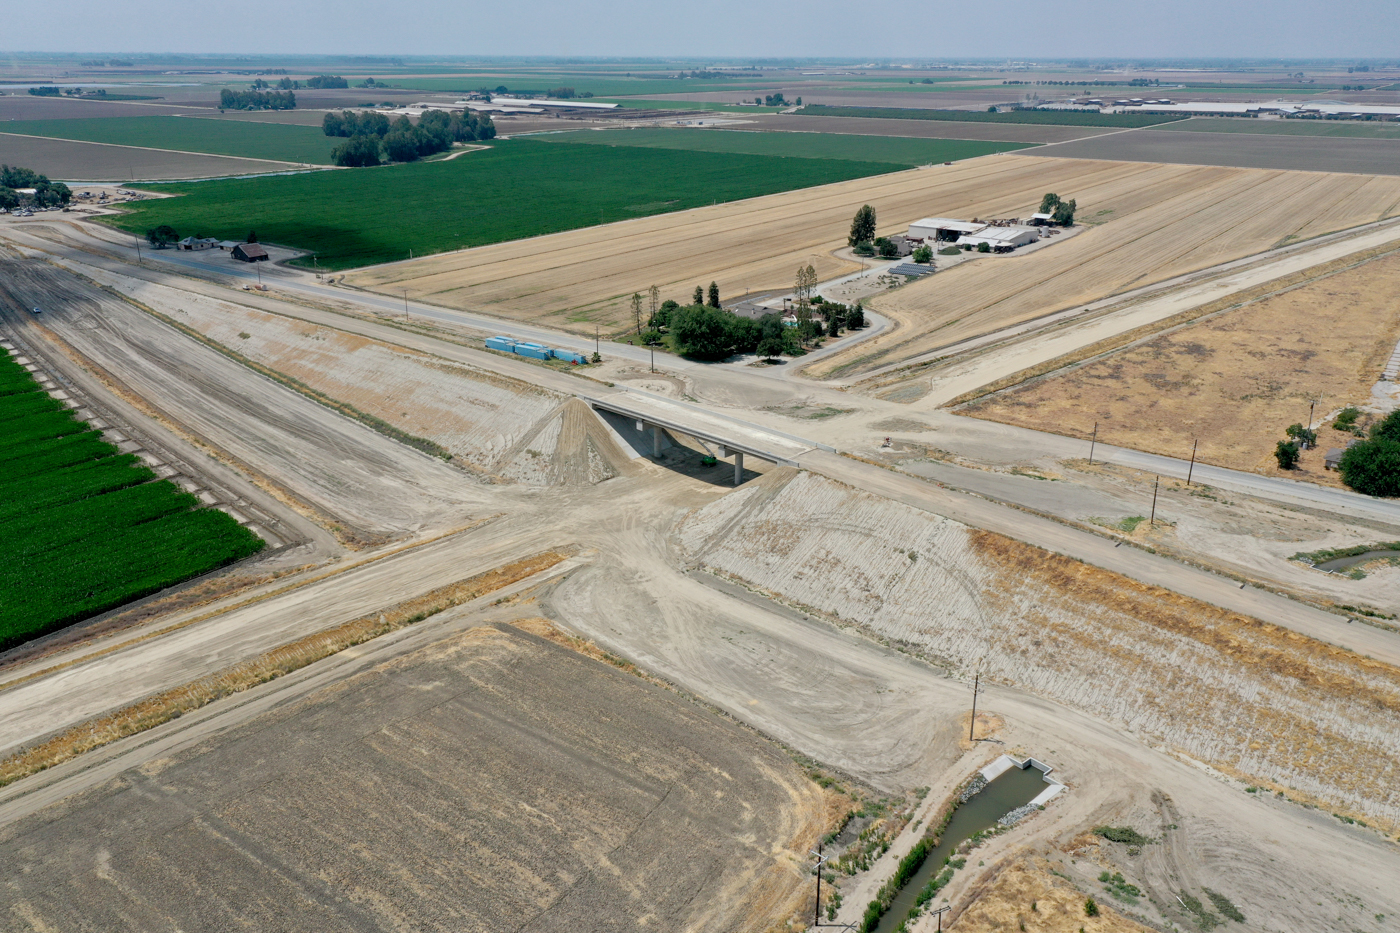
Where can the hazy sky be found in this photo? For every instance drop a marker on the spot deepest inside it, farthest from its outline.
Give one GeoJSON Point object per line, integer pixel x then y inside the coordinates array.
{"type": "Point", "coordinates": [1025, 29]}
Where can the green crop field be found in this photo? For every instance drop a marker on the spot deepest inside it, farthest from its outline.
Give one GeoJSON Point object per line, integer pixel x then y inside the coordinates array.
{"type": "Point", "coordinates": [88, 528]}
{"type": "Point", "coordinates": [1336, 128]}
{"type": "Point", "coordinates": [897, 149]}
{"type": "Point", "coordinates": [283, 142]}
{"type": "Point", "coordinates": [1041, 117]}
{"type": "Point", "coordinates": [517, 188]}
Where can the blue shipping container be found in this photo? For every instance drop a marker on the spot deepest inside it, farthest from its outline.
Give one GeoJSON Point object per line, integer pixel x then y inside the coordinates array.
{"type": "Point", "coordinates": [504, 344]}
{"type": "Point", "coordinates": [533, 352]}
{"type": "Point", "coordinates": [569, 356]}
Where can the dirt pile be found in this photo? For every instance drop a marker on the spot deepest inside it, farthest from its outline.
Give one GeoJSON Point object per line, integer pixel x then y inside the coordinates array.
{"type": "Point", "coordinates": [1274, 708]}
{"type": "Point", "coordinates": [569, 447]}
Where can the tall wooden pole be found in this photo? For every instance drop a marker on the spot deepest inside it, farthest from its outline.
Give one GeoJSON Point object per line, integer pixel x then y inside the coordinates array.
{"type": "Point", "coordinates": [1092, 442]}
{"type": "Point", "coordinates": [972, 724]}
{"type": "Point", "coordinates": [1153, 519]}
{"type": "Point", "coordinates": [1192, 468]}
{"type": "Point", "coordinates": [817, 908]}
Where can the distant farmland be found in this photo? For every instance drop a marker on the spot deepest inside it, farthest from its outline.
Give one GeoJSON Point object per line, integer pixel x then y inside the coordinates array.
{"type": "Point", "coordinates": [86, 528]}
{"type": "Point", "coordinates": [278, 142]}
{"type": "Point", "coordinates": [896, 149]}
{"type": "Point", "coordinates": [516, 189]}
{"type": "Point", "coordinates": [1046, 117]}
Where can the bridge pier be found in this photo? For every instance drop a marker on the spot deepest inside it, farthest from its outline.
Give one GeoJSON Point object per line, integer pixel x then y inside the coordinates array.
{"type": "Point", "coordinates": [738, 467]}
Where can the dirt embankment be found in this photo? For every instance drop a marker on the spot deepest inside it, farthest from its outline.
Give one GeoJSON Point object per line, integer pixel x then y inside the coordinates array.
{"type": "Point", "coordinates": [1250, 699]}
{"type": "Point", "coordinates": [1232, 382]}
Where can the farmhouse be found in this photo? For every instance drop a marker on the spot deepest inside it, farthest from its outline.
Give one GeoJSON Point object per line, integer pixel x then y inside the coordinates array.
{"type": "Point", "coordinates": [249, 252]}
{"type": "Point", "coordinates": [196, 243]}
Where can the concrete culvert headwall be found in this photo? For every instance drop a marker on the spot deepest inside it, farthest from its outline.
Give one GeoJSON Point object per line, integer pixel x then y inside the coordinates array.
{"type": "Point", "coordinates": [568, 447]}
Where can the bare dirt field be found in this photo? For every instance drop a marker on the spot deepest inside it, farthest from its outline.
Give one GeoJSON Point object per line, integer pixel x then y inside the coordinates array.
{"type": "Point", "coordinates": [1147, 223]}
{"type": "Point", "coordinates": [29, 107]}
{"type": "Point", "coordinates": [1234, 380]}
{"type": "Point", "coordinates": [923, 129]}
{"type": "Point", "coordinates": [1151, 222]}
{"type": "Point", "coordinates": [492, 781]}
{"type": "Point", "coordinates": [346, 471]}
{"type": "Point", "coordinates": [69, 160]}
{"type": "Point", "coordinates": [1249, 699]}
{"type": "Point", "coordinates": [1298, 153]}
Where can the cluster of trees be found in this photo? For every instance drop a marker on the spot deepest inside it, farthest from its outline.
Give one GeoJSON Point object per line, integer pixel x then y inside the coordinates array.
{"type": "Point", "coordinates": [163, 236]}
{"type": "Point", "coordinates": [776, 100]}
{"type": "Point", "coordinates": [44, 91]}
{"type": "Point", "coordinates": [1061, 212]}
{"type": "Point", "coordinates": [862, 227]}
{"type": "Point", "coordinates": [372, 139]}
{"type": "Point", "coordinates": [46, 193]}
{"type": "Point", "coordinates": [1373, 466]}
{"type": "Point", "coordinates": [256, 100]}
{"type": "Point", "coordinates": [327, 81]}
{"type": "Point", "coordinates": [704, 330]}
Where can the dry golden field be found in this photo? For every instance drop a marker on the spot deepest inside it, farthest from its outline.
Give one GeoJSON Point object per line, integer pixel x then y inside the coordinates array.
{"type": "Point", "coordinates": [1235, 381]}
{"type": "Point", "coordinates": [1150, 222]}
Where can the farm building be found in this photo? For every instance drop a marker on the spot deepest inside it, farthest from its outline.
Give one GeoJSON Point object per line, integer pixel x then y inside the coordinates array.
{"type": "Point", "coordinates": [196, 243]}
{"type": "Point", "coordinates": [1001, 238]}
{"type": "Point", "coordinates": [941, 228]}
{"type": "Point", "coordinates": [249, 252]}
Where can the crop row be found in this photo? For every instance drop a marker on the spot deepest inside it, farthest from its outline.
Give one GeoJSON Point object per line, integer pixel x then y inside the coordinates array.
{"type": "Point", "coordinates": [51, 489]}
{"type": "Point", "coordinates": [39, 426]}
{"type": "Point", "coordinates": [30, 403]}
{"type": "Point", "coordinates": [55, 453]}
{"type": "Point", "coordinates": [31, 534]}
{"type": "Point", "coordinates": [46, 592]}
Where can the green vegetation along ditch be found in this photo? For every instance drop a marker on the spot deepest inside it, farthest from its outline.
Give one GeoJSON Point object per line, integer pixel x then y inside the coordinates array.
{"type": "Point", "coordinates": [896, 149]}
{"type": "Point", "coordinates": [87, 528]}
{"type": "Point", "coordinates": [1038, 117]}
{"type": "Point", "coordinates": [244, 138]}
{"type": "Point", "coordinates": [518, 188]}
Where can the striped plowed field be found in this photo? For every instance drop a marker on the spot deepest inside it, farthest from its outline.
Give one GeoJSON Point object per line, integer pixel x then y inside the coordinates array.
{"type": "Point", "coordinates": [1148, 222]}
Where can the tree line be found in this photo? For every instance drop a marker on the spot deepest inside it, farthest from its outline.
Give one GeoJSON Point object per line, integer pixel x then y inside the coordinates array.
{"type": "Point", "coordinates": [372, 140]}
{"type": "Point", "coordinates": [46, 193]}
{"type": "Point", "coordinates": [256, 100]}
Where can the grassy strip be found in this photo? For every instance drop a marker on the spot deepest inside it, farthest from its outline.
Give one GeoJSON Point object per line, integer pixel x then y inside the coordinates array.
{"type": "Point", "coordinates": [1119, 341]}
{"type": "Point", "coordinates": [1326, 554]}
{"type": "Point", "coordinates": [1035, 117]}
{"type": "Point", "coordinates": [515, 189]}
{"type": "Point", "coordinates": [173, 703]}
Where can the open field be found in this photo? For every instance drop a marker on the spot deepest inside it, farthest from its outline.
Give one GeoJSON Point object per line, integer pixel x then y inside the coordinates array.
{"type": "Point", "coordinates": [346, 473]}
{"type": "Point", "coordinates": [247, 139]}
{"type": "Point", "coordinates": [598, 86]}
{"type": "Point", "coordinates": [906, 152]}
{"type": "Point", "coordinates": [924, 129]}
{"type": "Point", "coordinates": [1338, 129]}
{"type": "Point", "coordinates": [1234, 380]}
{"type": "Point", "coordinates": [66, 160]}
{"type": "Point", "coordinates": [491, 781]}
{"type": "Point", "coordinates": [27, 107]}
{"type": "Point", "coordinates": [1242, 150]}
{"type": "Point", "coordinates": [515, 189]}
{"type": "Point", "coordinates": [1028, 117]}
{"type": "Point", "coordinates": [1250, 699]}
{"type": "Point", "coordinates": [87, 527]}
{"type": "Point", "coordinates": [1147, 223]}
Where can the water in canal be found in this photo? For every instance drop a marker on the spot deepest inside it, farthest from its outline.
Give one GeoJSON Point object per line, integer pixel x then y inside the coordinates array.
{"type": "Point", "coordinates": [1016, 788]}
{"type": "Point", "coordinates": [1342, 563]}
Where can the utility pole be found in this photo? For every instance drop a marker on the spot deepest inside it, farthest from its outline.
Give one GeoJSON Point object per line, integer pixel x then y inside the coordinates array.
{"type": "Point", "coordinates": [1153, 519]}
{"type": "Point", "coordinates": [817, 908]}
{"type": "Point", "coordinates": [939, 912]}
{"type": "Point", "coordinates": [405, 304]}
{"type": "Point", "coordinates": [1311, 406]}
{"type": "Point", "coordinates": [972, 723]}
{"type": "Point", "coordinates": [1191, 469]}
{"type": "Point", "coordinates": [597, 341]}
{"type": "Point", "coordinates": [653, 358]}
{"type": "Point", "coordinates": [138, 248]}
{"type": "Point", "coordinates": [1094, 440]}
